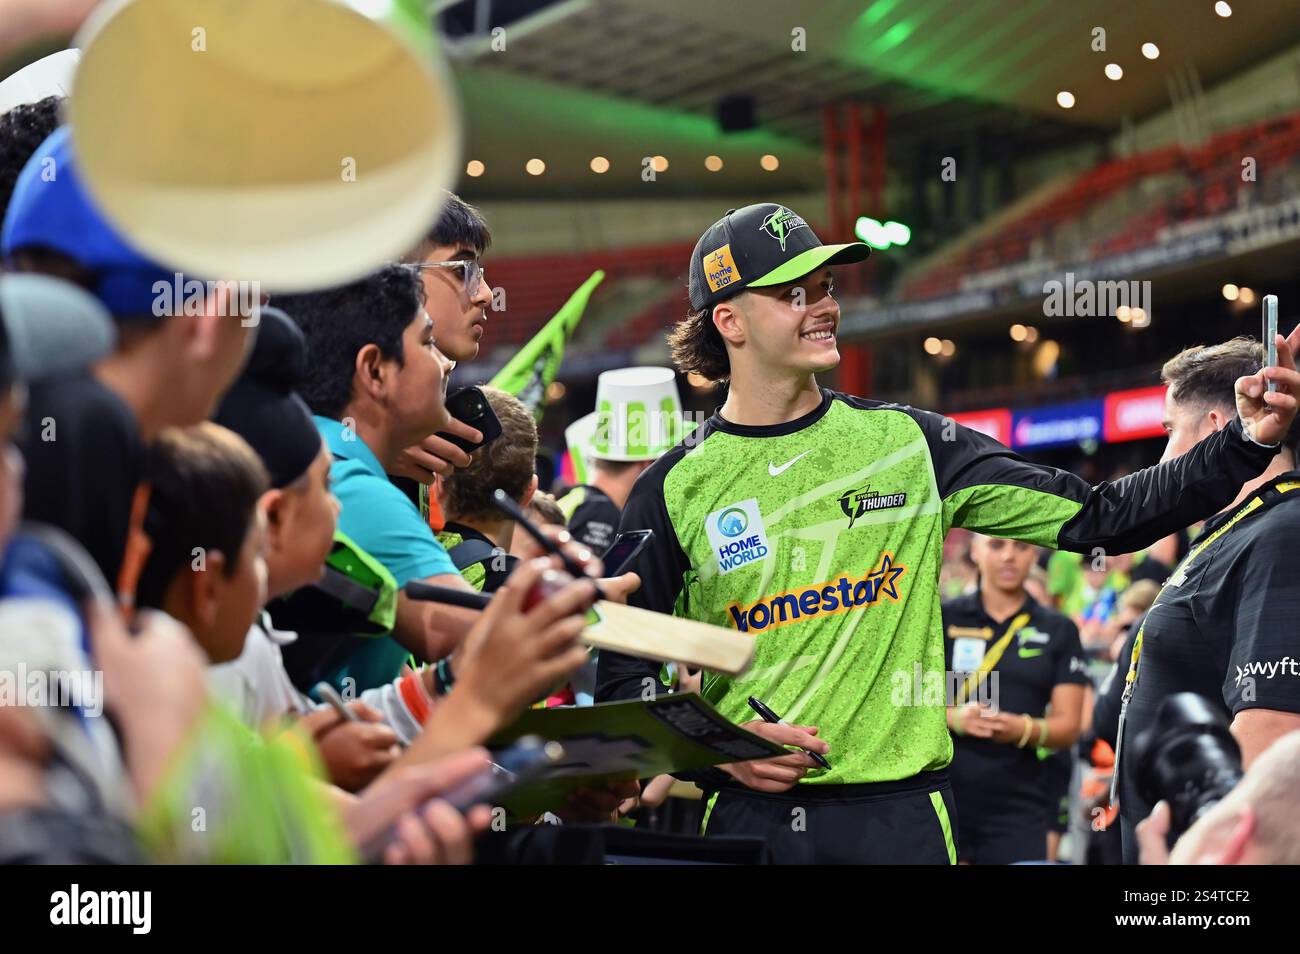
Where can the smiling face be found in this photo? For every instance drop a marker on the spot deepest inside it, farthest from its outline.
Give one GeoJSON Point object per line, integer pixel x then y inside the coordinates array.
{"type": "Point", "coordinates": [459, 315]}
{"type": "Point", "coordinates": [783, 330]}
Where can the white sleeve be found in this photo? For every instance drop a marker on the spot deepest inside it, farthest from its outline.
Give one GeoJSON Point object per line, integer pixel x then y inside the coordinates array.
{"type": "Point", "coordinates": [387, 701]}
{"type": "Point", "coordinates": [256, 685]}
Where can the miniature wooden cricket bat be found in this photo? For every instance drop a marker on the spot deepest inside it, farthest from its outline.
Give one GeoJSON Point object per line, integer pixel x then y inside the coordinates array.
{"type": "Point", "coordinates": [635, 632]}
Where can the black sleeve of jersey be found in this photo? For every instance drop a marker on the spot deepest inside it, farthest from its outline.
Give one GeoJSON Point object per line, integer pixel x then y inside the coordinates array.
{"type": "Point", "coordinates": [662, 567]}
{"type": "Point", "coordinates": [1071, 664]}
{"type": "Point", "coordinates": [1119, 516]}
{"type": "Point", "coordinates": [594, 524]}
{"type": "Point", "coordinates": [1264, 663]}
{"type": "Point", "coordinates": [1105, 710]}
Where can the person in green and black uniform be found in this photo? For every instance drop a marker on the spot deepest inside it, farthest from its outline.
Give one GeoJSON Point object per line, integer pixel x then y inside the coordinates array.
{"type": "Point", "coordinates": [477, 534]}
{"type": "Point", "coordinates": [814, 520]}
{"type": "Point", "coordinates": [1020, 675]}
{"type": "Point", "coordinates": [595, 509]}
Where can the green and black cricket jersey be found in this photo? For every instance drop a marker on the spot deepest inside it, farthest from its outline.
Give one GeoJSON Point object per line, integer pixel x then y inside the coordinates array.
{"type": "Point", "coordinates": [483, 564]}
{"type": "Point", "coordinates": [1226, 626]}
{"type": "Point", "coordinates": [593, 517]}
{"type": "Point", "coordinates": [1002, 794]}
{"type": "Point", "coordinates": [822, 538]}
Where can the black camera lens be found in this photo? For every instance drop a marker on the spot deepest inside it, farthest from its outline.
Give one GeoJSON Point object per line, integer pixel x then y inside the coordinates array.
{"type": "Point", "coordinates": [1188, 758]}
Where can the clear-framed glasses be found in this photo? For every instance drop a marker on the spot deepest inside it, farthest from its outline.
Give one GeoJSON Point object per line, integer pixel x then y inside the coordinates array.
{"type": "Point", "coordinates": [471, 273]}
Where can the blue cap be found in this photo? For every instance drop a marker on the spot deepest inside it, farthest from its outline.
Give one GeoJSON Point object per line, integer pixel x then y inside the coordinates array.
{"type": "Point", "coordinates": [51, 208]}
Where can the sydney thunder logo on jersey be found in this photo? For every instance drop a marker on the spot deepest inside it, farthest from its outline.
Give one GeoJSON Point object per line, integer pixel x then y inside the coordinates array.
{"type": "Point", "coordinates": [855, 503]}
{"type": "Point", "coordinates": [820, 599]}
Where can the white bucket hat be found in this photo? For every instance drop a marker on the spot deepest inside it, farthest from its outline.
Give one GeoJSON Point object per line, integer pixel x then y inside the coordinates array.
{"type": "Point", "coordinates": [638, 416]}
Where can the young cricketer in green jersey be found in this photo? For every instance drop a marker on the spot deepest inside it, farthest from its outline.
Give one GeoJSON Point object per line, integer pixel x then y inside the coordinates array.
{"type": "Point", "coordinates": [815, 520]}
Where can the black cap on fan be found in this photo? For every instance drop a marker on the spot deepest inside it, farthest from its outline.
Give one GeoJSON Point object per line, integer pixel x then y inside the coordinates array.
{"type": "Point", "coordinates": [263, 406]}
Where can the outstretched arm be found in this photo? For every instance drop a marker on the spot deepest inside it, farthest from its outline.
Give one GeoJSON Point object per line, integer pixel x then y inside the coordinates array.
{"type": "Point", "coordinates": [987, 488]}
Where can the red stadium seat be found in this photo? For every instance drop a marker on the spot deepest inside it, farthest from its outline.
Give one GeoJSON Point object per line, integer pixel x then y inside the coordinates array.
{"type": "Point", "coordinates": [1210, 175]}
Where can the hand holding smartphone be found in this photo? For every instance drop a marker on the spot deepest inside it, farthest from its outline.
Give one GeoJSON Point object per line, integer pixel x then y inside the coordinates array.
{"type": "Point", "coordinates": [525, 760]}
{"type": "Point", "coordinates": [625, 548]}
{"type": "Point", "coordinates": [1270, 335]}
{"type": "Point", "coordinates": [470, 406]}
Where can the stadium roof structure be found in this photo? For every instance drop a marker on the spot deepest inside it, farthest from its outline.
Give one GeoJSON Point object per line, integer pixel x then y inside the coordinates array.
{"type": "Point", "coordinates": [627, 79]}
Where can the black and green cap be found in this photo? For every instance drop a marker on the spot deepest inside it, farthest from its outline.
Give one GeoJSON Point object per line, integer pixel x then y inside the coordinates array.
{"type": "Point", "coordinates": [759, 246]}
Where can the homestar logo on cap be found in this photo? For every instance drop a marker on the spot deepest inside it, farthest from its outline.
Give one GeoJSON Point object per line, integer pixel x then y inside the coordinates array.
{"type": "Point", "coordinates": [737, 535]}
{"type": "Point", "coordinates": [720, 269]}
{"type": "Point", "coordinates": [781, 223]}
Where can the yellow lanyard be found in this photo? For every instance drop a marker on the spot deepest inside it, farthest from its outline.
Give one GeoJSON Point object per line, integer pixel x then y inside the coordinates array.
{"type": "Point", "coordinates": [1178, 578]}
{"type": "Point", "coordinates": [990, 659]}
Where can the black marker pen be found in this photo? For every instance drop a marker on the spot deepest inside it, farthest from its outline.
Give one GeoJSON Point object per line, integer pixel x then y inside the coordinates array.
{"type": "Point", "coordinates": [767, 715]}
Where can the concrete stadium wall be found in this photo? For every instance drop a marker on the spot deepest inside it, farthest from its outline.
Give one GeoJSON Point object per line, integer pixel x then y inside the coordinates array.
{"type": "Point", "coordinates": [532, 228]}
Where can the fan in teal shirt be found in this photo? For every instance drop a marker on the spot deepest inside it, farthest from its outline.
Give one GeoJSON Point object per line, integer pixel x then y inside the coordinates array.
{"type": "Point", "coordinates": [381, 520]}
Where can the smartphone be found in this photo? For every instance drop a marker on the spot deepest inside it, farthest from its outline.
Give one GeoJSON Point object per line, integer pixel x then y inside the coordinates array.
{"type": "Point", "coordinates": [470, 406]}
{"type": "Point", "coordinates": [524, 760]}
{"type": "Point", "coordinates": [625, 548]}
{"type": "Point", "coordinates": [1270, 335]}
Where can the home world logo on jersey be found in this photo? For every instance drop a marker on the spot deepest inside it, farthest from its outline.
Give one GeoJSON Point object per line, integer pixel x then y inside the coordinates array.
{"type": "Point", "coordinates": [737, 535]}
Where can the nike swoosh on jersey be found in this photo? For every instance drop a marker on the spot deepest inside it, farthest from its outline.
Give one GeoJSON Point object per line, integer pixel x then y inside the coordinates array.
{"type": "Point", "coordinates": [774, 471]}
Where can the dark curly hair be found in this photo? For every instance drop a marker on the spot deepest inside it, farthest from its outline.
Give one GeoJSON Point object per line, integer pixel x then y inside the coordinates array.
{"type": "Point", "coordinates": [698, 347]}
{"type": "Point", "coordinates": [22, 129]}
{"type": "Point", "coordinates": [339, 322]}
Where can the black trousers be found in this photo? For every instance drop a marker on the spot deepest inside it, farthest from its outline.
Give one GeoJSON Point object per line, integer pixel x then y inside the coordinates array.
{"type": "Point", "coordinates": [912, 821]}
{"type": "Point", "coordinates": [1003, 839]}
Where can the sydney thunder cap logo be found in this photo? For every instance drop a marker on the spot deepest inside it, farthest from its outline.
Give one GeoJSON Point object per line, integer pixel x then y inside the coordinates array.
{"type": "Point", "coordinates": [781, 223]}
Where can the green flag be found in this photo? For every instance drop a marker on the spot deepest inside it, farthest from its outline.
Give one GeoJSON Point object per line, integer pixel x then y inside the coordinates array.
{"type": "Point", "coordinates": [528, 374]}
